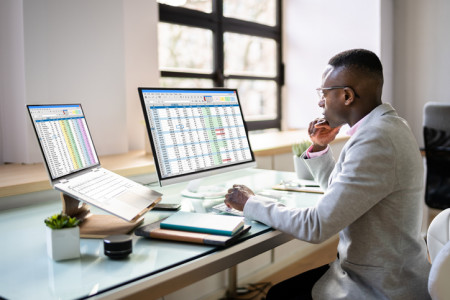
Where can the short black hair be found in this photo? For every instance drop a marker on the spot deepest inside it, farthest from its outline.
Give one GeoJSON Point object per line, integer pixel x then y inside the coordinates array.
{"type": "Point", "coordinates": [361, 59]}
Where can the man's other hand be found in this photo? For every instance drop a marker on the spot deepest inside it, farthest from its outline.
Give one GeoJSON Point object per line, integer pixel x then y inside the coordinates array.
{"type": "Point", "coordinates": [237, 196]}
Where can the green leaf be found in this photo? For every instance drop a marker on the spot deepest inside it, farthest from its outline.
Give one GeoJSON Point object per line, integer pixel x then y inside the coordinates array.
{"type": "Point", "coordinates": [60, 221]}
{"type": "Point", "coordinates": [301, 147]}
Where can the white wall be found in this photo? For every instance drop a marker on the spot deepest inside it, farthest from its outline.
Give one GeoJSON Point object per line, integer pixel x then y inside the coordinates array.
{"type": "Point", "coordinates": [314, 31]}
{"type": "Point", "coordinates": [386, 50]}
{"type": "Point", "coordinates": [90, 52]}
{"type": "Point", "coordinates": [141, 63]}
{"type": "Point", "coordinates": [422, 58]}
{"type": "Point", "coordinates": [13, 142]}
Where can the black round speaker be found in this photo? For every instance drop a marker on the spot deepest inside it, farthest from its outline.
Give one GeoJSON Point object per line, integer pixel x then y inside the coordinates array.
{"type": "Point", "coordinates": [117, 246]}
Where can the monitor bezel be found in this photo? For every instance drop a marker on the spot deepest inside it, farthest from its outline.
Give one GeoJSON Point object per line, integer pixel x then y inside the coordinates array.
{"type": "Point", "coordinates": [198, 174]}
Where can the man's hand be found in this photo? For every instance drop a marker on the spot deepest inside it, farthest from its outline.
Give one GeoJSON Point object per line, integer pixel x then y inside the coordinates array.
{"type": "Point", "coordinates": [237, 196]}
{"type": "Point", "coordinates": [321, 134]}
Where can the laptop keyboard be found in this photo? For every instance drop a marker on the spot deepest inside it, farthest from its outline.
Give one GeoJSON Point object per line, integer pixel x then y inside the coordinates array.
{"type": "Point", "coordinates": [102, 186]}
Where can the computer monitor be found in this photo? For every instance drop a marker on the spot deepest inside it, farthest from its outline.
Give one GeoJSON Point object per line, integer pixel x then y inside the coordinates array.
{"type": "Point", "coordinates": [195, 133]}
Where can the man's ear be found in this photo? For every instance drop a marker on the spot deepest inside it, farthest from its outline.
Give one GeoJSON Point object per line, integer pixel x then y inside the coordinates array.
{"type": "Point", "coordinates": [349, 95]}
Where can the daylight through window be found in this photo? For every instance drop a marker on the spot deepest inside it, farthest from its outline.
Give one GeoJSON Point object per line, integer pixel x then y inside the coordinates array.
{"type": "Point", "coordinates": [225, 43]}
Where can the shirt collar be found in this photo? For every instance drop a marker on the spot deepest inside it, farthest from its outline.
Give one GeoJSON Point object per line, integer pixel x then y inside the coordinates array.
{"type": "Point", "coordinates": [355, 127]}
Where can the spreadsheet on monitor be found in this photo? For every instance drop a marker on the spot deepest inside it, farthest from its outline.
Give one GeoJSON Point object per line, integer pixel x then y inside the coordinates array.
{"type": "Point", "coordinates": [195, 130]}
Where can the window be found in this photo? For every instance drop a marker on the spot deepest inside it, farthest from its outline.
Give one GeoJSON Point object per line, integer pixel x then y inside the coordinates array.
{"type": "Point", "coordinates": [225, 43]}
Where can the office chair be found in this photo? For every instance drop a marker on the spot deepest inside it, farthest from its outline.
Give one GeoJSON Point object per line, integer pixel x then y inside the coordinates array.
{"type": "Point", "coordinates": [438, 241]}
{"type": "Point", "coordinates": [436, 133]}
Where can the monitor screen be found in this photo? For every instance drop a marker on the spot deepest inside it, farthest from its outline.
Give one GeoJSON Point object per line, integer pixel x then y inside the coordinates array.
{"type": "Point", "coordinates": [64, 138]}
{"type": "Point", "coordinates": [195, 132]}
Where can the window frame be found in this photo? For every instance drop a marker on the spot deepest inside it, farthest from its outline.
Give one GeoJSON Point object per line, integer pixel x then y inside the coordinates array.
{"type": "Point", "coordinates": [219, 24]}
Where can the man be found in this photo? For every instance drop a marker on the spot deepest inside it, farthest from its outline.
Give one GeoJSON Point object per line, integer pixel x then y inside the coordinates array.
{"type": "Point", "coordinates": [373, 194]}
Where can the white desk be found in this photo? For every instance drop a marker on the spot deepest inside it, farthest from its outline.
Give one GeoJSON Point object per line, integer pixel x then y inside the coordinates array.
{"type": "Point", "coordinates": [154, 269]}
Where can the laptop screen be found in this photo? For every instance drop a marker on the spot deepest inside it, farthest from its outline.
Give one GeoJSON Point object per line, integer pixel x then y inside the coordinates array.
{"type": "Point", "coordinates": [64, 138]}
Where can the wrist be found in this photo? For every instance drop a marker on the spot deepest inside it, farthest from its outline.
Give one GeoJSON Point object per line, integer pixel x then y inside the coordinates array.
{"type": "Point", "coordinates": [317, 147]}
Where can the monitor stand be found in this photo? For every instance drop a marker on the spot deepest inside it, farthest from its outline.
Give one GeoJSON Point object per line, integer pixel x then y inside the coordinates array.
{"type": "Point", "coordinates": [196, 190]}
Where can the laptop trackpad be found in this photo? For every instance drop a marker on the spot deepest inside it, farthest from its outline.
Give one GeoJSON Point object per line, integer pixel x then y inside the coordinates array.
{"type": "Point", "coordinates": [134, 199]}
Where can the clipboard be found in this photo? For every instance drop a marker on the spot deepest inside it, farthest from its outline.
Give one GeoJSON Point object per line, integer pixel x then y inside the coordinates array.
{"type": "Point", "coordinates": [298, 186]}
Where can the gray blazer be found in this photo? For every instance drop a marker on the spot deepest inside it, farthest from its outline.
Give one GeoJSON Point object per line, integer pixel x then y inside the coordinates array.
{"type": "Point", "coordinates": [373, 198]}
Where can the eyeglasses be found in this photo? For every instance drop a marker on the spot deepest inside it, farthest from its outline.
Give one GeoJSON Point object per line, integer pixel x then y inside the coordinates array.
{"type": "Point", "coordinates": [322, 95]}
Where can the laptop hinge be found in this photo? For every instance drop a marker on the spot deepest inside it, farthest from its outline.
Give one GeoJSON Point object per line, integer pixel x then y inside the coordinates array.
{"type": "Point", "coordinates": [63, 181]}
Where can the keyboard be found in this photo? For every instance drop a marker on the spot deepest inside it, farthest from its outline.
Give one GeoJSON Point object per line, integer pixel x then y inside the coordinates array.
{"type": "Point", "coordinates": [223, 208]}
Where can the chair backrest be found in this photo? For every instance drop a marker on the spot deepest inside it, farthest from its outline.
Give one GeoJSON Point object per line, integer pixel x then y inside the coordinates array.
{"type": "Point", "coordinates": [436, 133]}
{"type": "Point", "coordinates": [438, 240]}
{"type": "Point", "coordinates": [438, 233]}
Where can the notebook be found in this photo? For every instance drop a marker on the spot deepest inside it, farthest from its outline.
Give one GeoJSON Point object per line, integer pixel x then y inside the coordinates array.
{"type": "Point", "coordinates": [154, 231]}
{"type": "Point", "coordinates": [74, 168]}
{"type": "Point", "coordinates": [204, 223]}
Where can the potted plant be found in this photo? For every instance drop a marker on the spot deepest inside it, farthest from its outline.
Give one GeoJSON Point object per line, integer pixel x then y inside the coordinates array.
{"type": "Point", "coordinates": [299, 165]}
{"type": "Point", "coordinates": [63, 237]}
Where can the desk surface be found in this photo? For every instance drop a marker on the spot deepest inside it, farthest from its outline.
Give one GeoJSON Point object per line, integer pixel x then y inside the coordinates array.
{"type": "Point", "coordinates": [161, 266]}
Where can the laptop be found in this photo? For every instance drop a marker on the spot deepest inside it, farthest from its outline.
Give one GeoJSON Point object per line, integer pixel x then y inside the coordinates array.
{"type": "Point", "coordinates": [74, 168]}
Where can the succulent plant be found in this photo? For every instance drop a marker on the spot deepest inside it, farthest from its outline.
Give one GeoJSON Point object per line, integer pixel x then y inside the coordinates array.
{"type": "Point", "coordinates": [60, 221]}
{"type": "Point", "coordinates": [299, 148]}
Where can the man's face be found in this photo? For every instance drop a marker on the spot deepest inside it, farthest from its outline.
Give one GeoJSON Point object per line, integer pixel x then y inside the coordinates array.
{"type": "Point", "coordinates": [333, 100]}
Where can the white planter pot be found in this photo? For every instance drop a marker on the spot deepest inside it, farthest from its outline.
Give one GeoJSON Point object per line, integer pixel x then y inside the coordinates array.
{"type": "Point", "coordinates": [63, 243]}
{"type": "Point", "coordinates": [301, 168]}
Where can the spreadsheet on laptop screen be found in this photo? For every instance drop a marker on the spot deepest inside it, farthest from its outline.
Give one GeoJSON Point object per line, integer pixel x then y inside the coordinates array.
{"type": "Point", "coordinates": [64, 138]}
{"type": "Point", "coordinates": [195, 130]}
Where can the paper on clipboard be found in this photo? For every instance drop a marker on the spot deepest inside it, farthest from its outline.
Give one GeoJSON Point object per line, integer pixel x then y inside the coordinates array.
{"type": "Point", "coordinates": [305, 186]}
